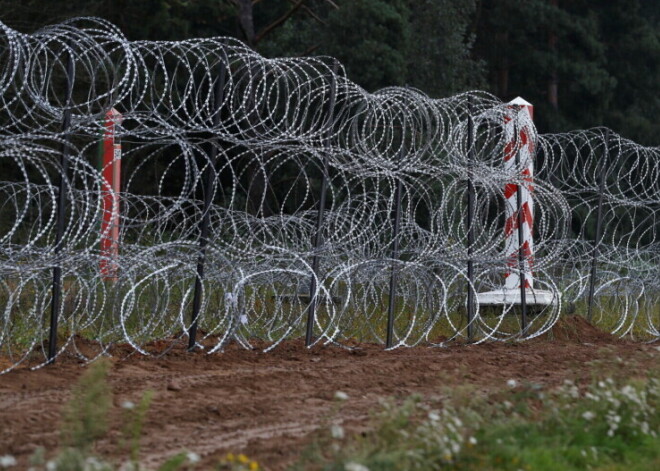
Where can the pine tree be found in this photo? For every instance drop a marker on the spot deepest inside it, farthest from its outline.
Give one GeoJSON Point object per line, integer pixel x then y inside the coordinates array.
{"type": "Point", "coordinates": [439, 59]}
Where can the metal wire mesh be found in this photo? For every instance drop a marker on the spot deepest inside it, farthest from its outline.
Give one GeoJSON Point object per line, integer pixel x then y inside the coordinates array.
{"type": "Point", "coordinates": [256, 154]}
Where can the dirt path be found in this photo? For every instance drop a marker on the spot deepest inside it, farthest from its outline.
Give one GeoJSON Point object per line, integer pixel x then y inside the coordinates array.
{"type": "Point", "coordinates": [266, 405]}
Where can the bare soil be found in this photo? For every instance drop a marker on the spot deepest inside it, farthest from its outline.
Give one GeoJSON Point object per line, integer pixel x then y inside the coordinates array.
{"type": "Point", "coordinates": [268, 405]}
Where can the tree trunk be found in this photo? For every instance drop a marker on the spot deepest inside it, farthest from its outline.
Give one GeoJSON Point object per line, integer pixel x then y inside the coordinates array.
{"type": "Point", "coordinates": [553, 81]}
{"type": "Point", "coordinates": [503, 65]}
{"type": "Point", "coordinates": [246, 21]}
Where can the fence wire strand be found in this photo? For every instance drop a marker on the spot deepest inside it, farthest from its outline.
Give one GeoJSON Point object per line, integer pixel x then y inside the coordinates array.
{"type": "Point", "coordinates": [276, 132]}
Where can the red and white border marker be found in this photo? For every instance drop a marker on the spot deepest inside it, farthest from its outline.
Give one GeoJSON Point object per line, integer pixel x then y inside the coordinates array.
{"type": "Point", "coordinates": [519, 135]}
{"type": "Point", "coordinates": [111, 173]}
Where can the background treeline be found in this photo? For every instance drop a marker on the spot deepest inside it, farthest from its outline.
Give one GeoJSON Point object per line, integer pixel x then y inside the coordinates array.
{"type": "Point", "coordinates": [582, 63]}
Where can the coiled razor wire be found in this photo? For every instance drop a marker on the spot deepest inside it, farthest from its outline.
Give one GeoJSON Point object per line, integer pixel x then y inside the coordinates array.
{"type": "Point", "coordinates": [211, 130]}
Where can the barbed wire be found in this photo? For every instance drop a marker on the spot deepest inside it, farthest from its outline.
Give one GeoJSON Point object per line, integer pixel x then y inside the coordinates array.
{"type": "Point", "coordinates": [298, 193]}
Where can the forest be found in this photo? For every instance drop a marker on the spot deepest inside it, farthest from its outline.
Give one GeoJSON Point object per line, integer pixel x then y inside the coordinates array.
{"type": "Point", "coordinates": [582, 63]}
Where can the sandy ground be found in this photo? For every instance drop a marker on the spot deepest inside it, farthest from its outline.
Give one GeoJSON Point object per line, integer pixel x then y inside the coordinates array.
{"type": "Point", "coordinates": [268, 405]}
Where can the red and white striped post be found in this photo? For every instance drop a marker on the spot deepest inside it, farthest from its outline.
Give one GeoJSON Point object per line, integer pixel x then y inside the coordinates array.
{"type": "Point", "coordinates": [111, 174]}
{"type": "Point", "coordinates": [519, 149]}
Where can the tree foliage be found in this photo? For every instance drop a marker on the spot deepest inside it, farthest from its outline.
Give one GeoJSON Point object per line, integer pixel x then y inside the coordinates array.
{"type": "Point", "coordinates": [582, 63]}
{"type": "Point", "coordinates": [603, 58]}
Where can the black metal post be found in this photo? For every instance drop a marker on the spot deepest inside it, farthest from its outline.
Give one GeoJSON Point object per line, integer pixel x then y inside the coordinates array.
{"type": "Point", "coordinates": [61, 213]}
{"type": "Point", "coordinates": [318, 236]}
{"type": "Point", "coordinates": [395, 255]}
{"type": "Point", "coordinates": [218, 95]}
{"type": "Point", "coordinates": [521, 254]}
{"type": "Point", "coordinates": [599, 224]}
{"type": "Point", "coordinates": [469, 223]}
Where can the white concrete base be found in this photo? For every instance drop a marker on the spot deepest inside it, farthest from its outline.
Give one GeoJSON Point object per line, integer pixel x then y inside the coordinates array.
{"type": "Point", "coordinates": [512, 296]}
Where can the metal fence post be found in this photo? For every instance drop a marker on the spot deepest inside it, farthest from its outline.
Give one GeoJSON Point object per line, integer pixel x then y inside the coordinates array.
{"type": "Point", "coordinates": [395, 255]}
{"type": "Point", "coordinates": [61, 211]}
{"type": "Point", "coordinates": [599, 225]}
{"type": "Point", "coordinates": [318, 236]}
{"type": "Point", "coordinates": [218, 95]}
{"type": "Point", "coordinates": [469, 223]}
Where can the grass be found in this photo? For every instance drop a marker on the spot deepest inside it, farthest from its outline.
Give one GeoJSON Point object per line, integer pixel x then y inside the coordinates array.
{"type": "Point", "coordinates": [93, 313]}
{"type": "Point", "coordinates": [608, 312]}
{"type": "Point", "coordinates": [609, 425]}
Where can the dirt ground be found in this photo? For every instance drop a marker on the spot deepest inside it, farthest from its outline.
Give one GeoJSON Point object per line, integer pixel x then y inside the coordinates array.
{"type": "Point", "coordinates": [268, 405]}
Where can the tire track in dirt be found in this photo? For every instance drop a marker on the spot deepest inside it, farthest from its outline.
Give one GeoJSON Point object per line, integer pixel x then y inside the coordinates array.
{"type": "Point", "coordinates": [211, 443]}
{"type": "Point", "coordinates": [267, 405]}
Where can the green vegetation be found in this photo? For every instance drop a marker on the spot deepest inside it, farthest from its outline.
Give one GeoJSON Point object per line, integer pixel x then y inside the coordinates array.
{"type": "Point", "coordinates": [583, 63]}
{"type": "Point", "coordinates": [276, 310]}
{"type": "Point", "coordinates": [85, 417]}
{"type": "Point", "coordinates": [85, 422]}
{"type": "Point", "coordinates": [609, 425]}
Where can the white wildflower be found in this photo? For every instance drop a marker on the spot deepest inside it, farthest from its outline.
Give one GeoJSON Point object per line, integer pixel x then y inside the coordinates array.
{"type": "Point", "coordinates": [455, 447]}
{"type": "Point", "coordinates": [591, 397]}
{"type": "Point", "coordinates": [353, 466]}
{"type": "Point", "coordinates": [472, 441]}
{"type": "Point", "coordinates": [193, 457]}
{"type": "Point", "coordinates": [127, 405]}
{"type": "Point", "coordinates": [512, 383]}
{"type": "Point", "coordinates": [7, 461]}
{"type": "Point", "coordinates": [588, 415]}
{"type": "Point", "coordinates": [341, 396]}
{"type": "Point", "coordinates": [127, 466]}
{"type": "Point", "coordinates": [93, 464]}
{"type": "Point", "coordinates": [631, 394]}
{"type": "Point", "coordinates": [628, 390]}
{"type": "Point", "coordinates": [337, 431]}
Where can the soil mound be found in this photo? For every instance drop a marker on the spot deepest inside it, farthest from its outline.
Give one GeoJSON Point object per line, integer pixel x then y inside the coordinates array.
{"type": "Point", "coordinates": [579, 330]}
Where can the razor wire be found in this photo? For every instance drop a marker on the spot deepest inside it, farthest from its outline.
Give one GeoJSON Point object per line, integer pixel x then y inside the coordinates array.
{"type": "Point", "coordinates": [257, 155]}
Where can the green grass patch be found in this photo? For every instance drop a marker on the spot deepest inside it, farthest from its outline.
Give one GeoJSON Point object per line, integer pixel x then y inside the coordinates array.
{"type": "Point", "coordinates": [608, 425]}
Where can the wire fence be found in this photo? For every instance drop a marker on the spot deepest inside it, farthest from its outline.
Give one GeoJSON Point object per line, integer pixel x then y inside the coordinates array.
{"type": "Point", "coordinates": [196, 193]}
